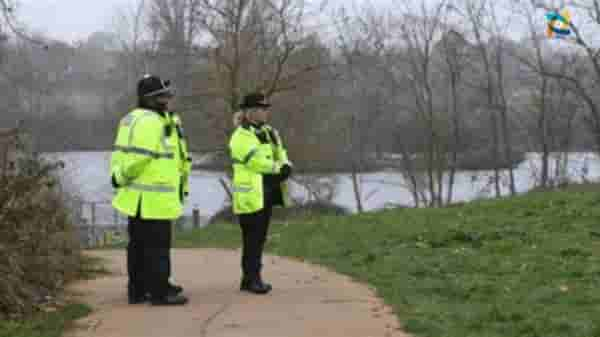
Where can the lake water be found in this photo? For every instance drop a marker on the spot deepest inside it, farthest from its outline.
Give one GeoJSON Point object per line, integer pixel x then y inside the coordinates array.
{"type": "Point", "coordinates": [87, 175]}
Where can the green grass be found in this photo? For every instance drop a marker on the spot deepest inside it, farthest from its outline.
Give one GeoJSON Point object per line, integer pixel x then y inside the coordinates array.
{"type": "Point", "coordinates": [44, 324]}
{"type": "Point", "coordinates": [575, 187]}
{"type": "Point", "coordinates": [524, 266]}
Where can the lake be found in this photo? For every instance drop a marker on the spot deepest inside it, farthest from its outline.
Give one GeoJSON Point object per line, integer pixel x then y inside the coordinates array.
{"type": "Point", "coordinates": [86, 174]}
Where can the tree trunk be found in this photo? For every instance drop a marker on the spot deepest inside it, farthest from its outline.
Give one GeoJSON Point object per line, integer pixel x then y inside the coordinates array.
{"type": "Point", "coordinates": [507, 150]}
{"type": "Point", "coordinates": [456, 145]}
{"type": "Point", "coordinates": [440, 183]}
{"type": "Point", "coordinates": [355, 153]}
{"type": "Point", "coordinates": [440, 168]}
{"type": "Point", "coordinates": [543, 127]}
{"type": "Point", "coordinates": [501, 99]}
{"type": "Point", "coordinates": [408, 172]}
{"type": "Point", "coordinates": [496, 151]}
{"type": "Point", "coordinates": [431, 153]}
{"type": "Point", "coordinates": [567, 143]}
{"type": "Point", "coordinates": [356, 187]}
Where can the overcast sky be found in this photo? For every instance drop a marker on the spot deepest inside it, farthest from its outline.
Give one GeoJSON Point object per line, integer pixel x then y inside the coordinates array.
{"type": "Point", "coordinates": [69, 19]}
{"type": "Point", "coordinates": [72, 20]}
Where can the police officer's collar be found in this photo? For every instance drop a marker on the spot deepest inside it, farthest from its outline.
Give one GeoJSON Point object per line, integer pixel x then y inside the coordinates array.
{"type": "Point", "coordinates": [160, 113]}
{"type": "Point", "coordinates": [248, 125]}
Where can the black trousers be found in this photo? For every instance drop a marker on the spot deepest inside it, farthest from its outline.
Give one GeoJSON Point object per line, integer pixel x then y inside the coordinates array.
{"type": "Point", "coordinates": [255, 227]}
{"type": "Point", "coordinates": [148, 260]}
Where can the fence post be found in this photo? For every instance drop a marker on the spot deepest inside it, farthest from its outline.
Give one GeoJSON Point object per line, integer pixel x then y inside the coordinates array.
{"type": "Point", "coordinates": [196, 217]}
{"type": "Point", "coordinates": [179, 224]}
{"type": "Point", "coordinates": [93, 213]}
{"type": "Point", "coordinates": [80, 206]}
{"type": "Point", "coordinates": [94, 236]}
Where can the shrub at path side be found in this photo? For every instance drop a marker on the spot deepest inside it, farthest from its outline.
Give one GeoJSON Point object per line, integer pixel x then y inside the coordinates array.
{"type": "Point", "coordinates": [38, 251]}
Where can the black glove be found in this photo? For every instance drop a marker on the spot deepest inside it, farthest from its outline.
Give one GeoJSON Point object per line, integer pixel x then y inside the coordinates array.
{"type": "Point", "coordinates": [182, 194]}
{"type": "Point", "coordinates": [113, 182]}
{"type": "Point", "coordinates": [285, 172]}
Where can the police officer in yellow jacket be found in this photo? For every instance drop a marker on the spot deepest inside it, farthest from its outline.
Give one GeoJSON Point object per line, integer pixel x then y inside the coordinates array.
{"type": "Point", "coordinates": [260, 172]}
{"type": "Point", "coordinates": [147, 174]}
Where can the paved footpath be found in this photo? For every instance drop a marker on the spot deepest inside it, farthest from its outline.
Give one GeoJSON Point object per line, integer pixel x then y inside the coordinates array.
{"type": "Point", "coordinates": [307, 301]}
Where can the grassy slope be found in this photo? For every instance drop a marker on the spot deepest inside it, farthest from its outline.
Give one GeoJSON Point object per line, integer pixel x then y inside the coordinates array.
{"type": "Point", "coordinates": [526, 266]}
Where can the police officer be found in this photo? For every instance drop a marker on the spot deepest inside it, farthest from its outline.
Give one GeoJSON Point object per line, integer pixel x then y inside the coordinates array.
{"type": "Point", "coordinates": [260, 172]}
{"type": "Point", "coordinates": [147, 175]}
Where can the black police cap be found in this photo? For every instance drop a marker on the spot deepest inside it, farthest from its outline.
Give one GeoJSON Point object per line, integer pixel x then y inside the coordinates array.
{"type": "Point", "coordinates": [150, 86]}
{"type": "Point", "coordinates": [254, 100]}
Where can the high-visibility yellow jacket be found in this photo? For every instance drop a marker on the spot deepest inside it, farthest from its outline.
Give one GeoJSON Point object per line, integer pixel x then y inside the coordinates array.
{"type": "Point", "coordinates": [145, 167]}
{"type": "Point", "coordinates": [251, 160]}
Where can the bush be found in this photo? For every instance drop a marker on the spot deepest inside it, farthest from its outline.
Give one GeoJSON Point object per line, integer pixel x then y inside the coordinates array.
{"type": "Point", "coordinates": [38, 249]}
{"type": "Point", "coordinates": [300, 211]}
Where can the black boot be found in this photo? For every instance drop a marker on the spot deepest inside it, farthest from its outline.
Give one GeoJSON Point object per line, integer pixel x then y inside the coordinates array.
{"type": "Point", "coordinates": [135, 297]}
{"type": "Point", "coordinates": [170, 300]}
{"type": "Point", "coordinates": [245, 283]}
{"type": "Point", "coordinates": [175, 289]}
{"type": "Point", "coordinates": [268, 285]}
{"type": "Point", "coordinates": [255, 285]}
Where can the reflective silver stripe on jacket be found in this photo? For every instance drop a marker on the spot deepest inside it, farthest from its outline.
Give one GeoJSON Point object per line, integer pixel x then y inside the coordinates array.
{"type": "Point", "coordinates": [126, 121]}
{"type": "Point", "coordinates": [151, 188]}
{"type": "Point", "coordinates": [242, 189]}
{"type": "Point", "coordinates": [137, 150]}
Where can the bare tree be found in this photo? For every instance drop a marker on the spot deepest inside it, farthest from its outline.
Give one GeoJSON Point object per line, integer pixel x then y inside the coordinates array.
{"type": "Point", "coordinates": [585, 80]}
{"type": "Point", "coordinates": [491, 49]}
{"type": "Point", "coordinates": [11, 24]}
{"type": "Point", "coordinates": [420, 29]}
{"type": "Point", "coordinates": [454, 62]}
{"type": "Point", "coordinates": [360, 40]}
{"type": "Point", "coordinates": [178, 23]}
{"type": "Point", "coordinates": [543, 97]}
{"type": "Point", "coordinates": [130, 25]}
{"type": "Point", "coordinates": [552, 107]}
{"type": "Point", "coordinates": [501, 52]}
{"type": "Point", "coordinates": [250, 45]}
{"type": "Point", "coordinates": [253, 44]}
